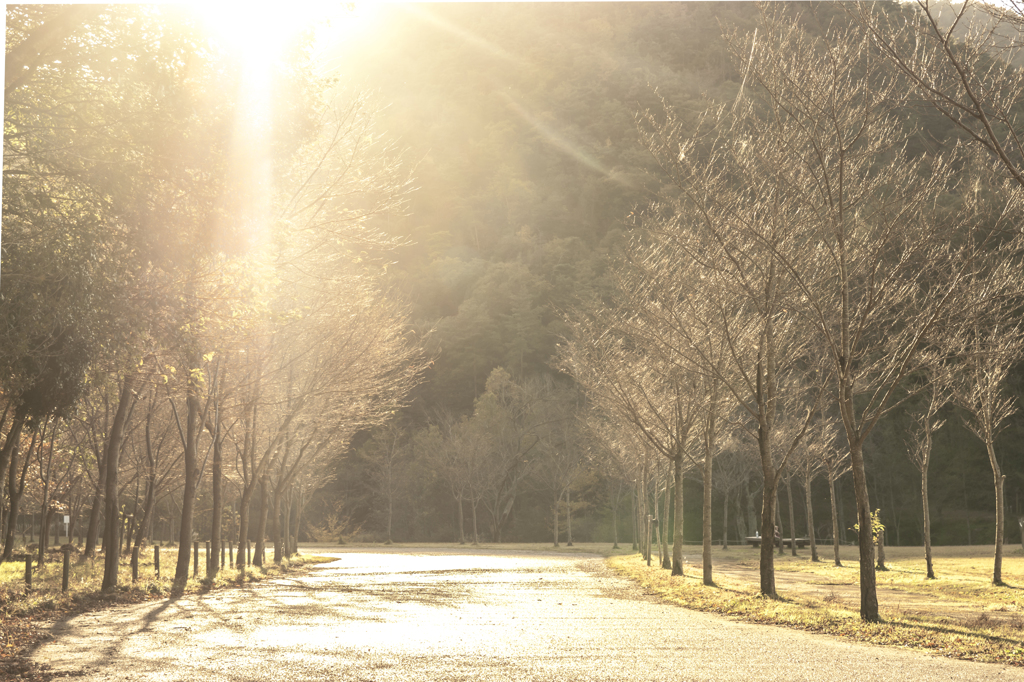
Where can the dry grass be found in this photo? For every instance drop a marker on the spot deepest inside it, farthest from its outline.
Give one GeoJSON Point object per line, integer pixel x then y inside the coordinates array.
{"type": "Point", "coordinates": [823, 598]}
{"type": "Point", "coordinates": [962, 573]}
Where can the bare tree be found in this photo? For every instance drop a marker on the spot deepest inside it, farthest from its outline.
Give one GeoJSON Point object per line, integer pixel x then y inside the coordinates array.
{"type": "Point", "coordinates": [836, 462]}
{"type": "Point", "coordinates": [988, 356]}
{"type": "Point", "coordinates": [714, 278]}
{"type": "Point", "coordinates": [919, 447]}
{"type": "Point", "coordinates": [514, 420]}
{"type": "Point", "coordinates": [874, 288]}
{"type": "Point", "coordinates": [112, 512]}
{"type": "Point", "coordinates": [158, 468]}
{"type": "Point", "coordinates": [618, 459]}
{"type": "Point", "coordinates": [811, 467]}
{"type": "Point", "coordinates": [454, 446]}
{"type": "Point", "coordinates": [958, 58]}
{"type": "Point", "coordinates": [659, 401]}
{"type": "Point", "coordinates": [17, 475]}
{"type": "Point", "coordinates": [565, 459]}
{"type": "Point", "coordinates": [733, 471]}
{"type": "Point", "coordinates": [385, 454]}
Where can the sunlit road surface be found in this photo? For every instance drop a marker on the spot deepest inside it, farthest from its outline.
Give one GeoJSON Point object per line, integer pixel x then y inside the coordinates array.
{"type": "Point", "coordinates": [470, 616]}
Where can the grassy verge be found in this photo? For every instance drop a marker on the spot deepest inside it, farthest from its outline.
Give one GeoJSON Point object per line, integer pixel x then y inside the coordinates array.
{"type": "Point", "coordinates": [21, 607]}
{"type": "Point", "coordinates": [985, 640]}
{"type": "Point", "coordinates": [962, 573]}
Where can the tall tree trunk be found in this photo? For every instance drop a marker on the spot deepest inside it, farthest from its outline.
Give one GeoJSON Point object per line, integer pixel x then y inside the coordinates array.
{"type": "Point", "coordinates": [112, 510]}
{"type": "Point", "coordinates": [998, 479]}
{"type": "Point", "coordinates": [835, 519]}
{"type": "Point", "coordinates": [568, 518]}
{"type": "Point", "coordinates": [558, 501]}
{"type": "Point", "coordinates": [677, 540]}
{"type": "Point", "coordinates": [742, 530]}
{"type": "Point", "coordinates": [300, 507]}
{"type": "Point", "coordinates": [767, 515]}
{"type": "Point", "coordinates": [189, 488]}
{"type": "Point", "coordinates": [8, 452]}
{"type": "Point", "coordinates": [261, 528]}
{"type": "Point", "coordinates": [927, 521]}
{"type": "Point", "coordinates": [748, 497]}
{"type": "Point", "coordinates": [865, 541]}
{"type": "Point", "coordinates": [810, 519]}
{"type": "Point", "coordinates": [146, 525]}
{"type": "Point", "coordinates": [15, 490]}
{"type": "Point", "coordinates": [45, 512]}
{"type": "Point", "coordinates": [244, 506]}
{"type": "Point", "coordinates": [476, 535]}
{"type": "Point", "coordinates": [217, 483]}
{"type": "Point", "coordinates": [708, 578]}
{"type": "Point", "coordinates": [288, 523]}
{"type": "Point", "coordinates": [147, 516]}
{"type": "Point", "coordinates": [92, 532]}
{"type": "Point", "coordinates": [779, 528]}
{"type": "Point", "coordinates": [635, 518]}
{"type": "Point", "coordinates": [725, 520]}
{"type": "Point", "coordinates": [462, 523]}
{"type": "Point", "coordinates": [44, 534]}
{"type": "Point", "coordinates": [615, 517]}
{"type": "Point", "coordinates": [391, 515]}
{"type": "Point", "coordinates": [645, 522]}
{"type": "Point", "coordinates": [792, 513]}
{"type": "Point", "coordinates": [274, 515]}
{"type": "Point", "coordinates": [666, 560]}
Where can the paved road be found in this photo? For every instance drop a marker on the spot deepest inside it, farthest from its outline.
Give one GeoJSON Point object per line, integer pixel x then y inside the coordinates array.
{"type": "Point", "coordinates": [446, 616]}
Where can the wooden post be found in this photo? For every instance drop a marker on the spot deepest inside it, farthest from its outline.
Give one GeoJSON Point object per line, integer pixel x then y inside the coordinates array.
{"type": "Point", "coordinates": [195, 559]}
{"type": "Point", "coordinates": [156, 560]}
{"type": "Point", "coordinates": [66, 576]}
{"type": "Point", "coordinates": [28, 571]}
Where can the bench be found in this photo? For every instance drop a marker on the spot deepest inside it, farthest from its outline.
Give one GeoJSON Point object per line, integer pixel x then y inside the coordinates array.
{"type": "Point", "coordinates": [755, 541]}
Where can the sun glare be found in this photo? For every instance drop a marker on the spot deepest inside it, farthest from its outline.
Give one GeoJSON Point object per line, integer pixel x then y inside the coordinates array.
{"type": "Point", "coordinates": [259, 33]}
{"type": "Point", "coordinates": [257, 39]}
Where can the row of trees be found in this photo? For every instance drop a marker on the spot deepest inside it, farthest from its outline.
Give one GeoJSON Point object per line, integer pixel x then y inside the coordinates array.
{"type": "Point", "coordinates": [493, 306]}
{"type": "Point", "coordinates": [191, 287]}
{"type": "Point", "coordinates": [801, 269]}
{"type": "Point", "coordinates": [530, 164]}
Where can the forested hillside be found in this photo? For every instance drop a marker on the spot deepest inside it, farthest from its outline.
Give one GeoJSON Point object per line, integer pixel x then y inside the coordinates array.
{"type": "Point", "coordinates": [520, 121]}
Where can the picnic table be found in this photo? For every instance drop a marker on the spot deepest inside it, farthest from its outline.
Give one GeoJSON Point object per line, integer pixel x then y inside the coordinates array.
{"type": "Point", "coordinates": [755, 541]}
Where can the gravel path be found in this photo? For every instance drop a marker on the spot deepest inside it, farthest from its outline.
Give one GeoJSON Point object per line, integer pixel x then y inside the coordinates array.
{"type": "Point", "coordinates": [459, 616]}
